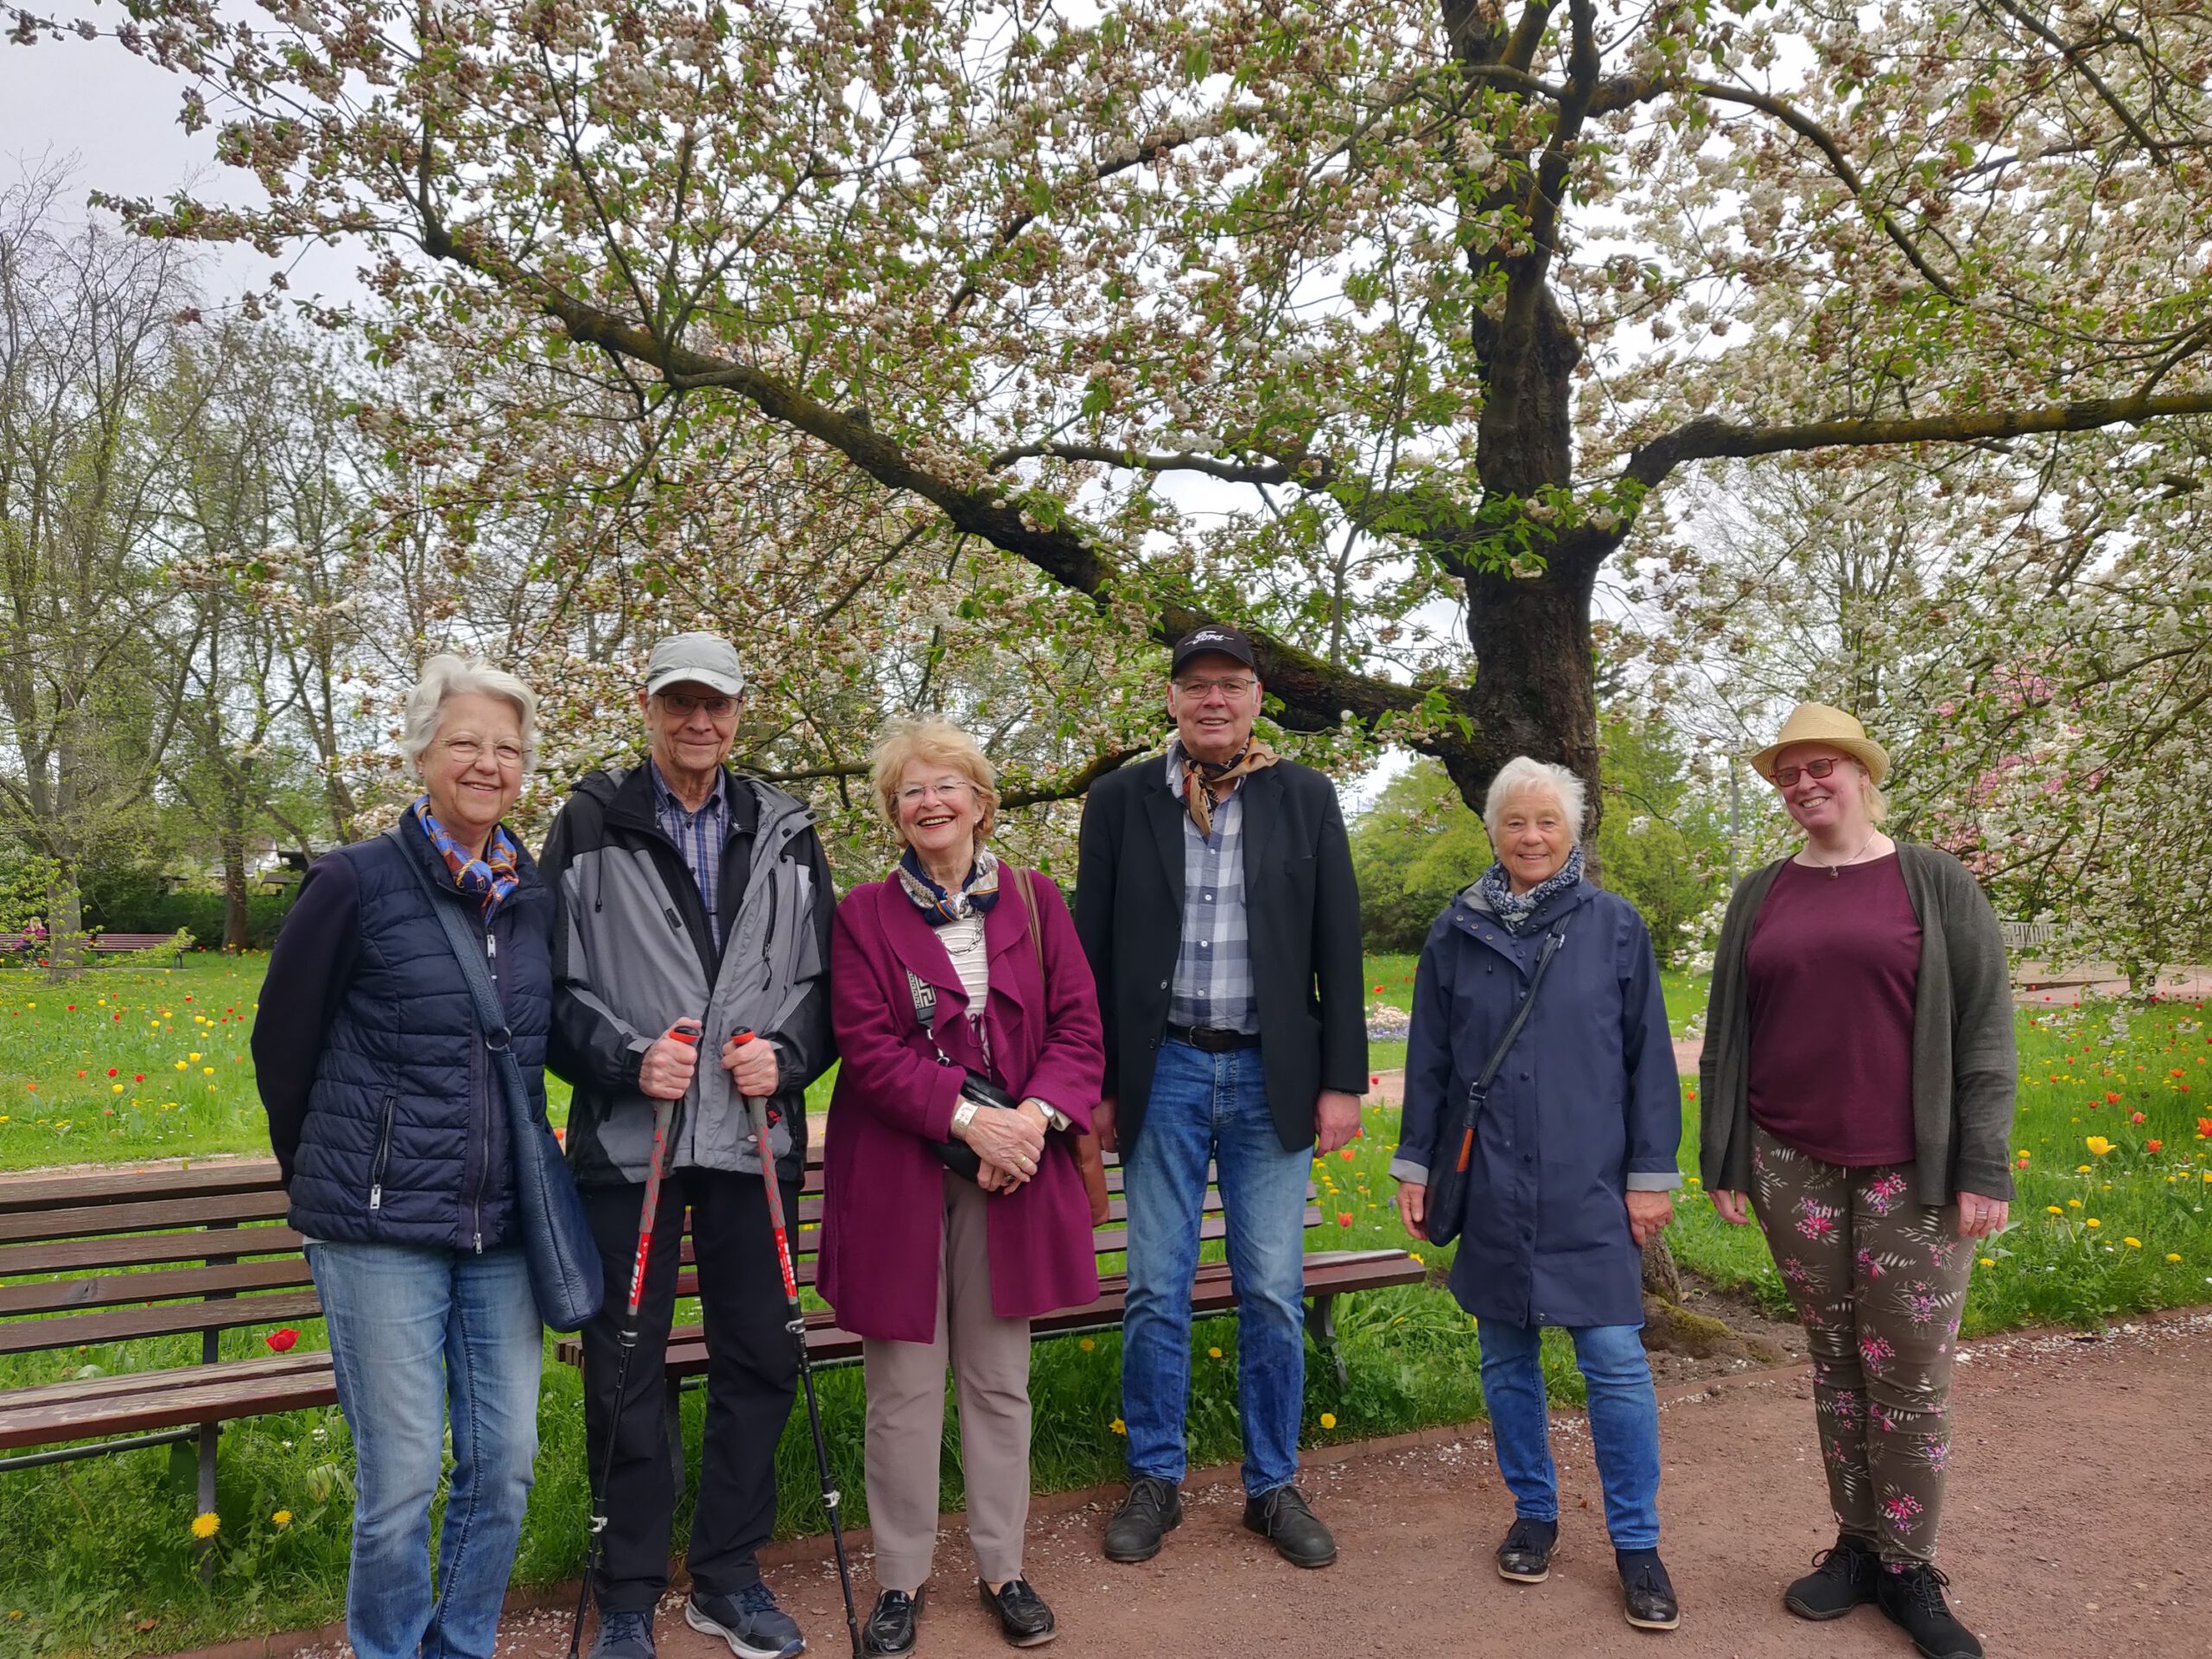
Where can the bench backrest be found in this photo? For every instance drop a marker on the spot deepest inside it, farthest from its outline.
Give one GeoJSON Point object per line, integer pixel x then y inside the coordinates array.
{"type": "Point", "coordinates": [113, 1255]}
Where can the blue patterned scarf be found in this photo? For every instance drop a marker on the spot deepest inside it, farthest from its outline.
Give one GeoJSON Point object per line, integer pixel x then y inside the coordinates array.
{"type": "Point", "coordinates": [493, 876]}
{"type": "Point", "coordinates": [1515, 911]}
{"type": "Point", "coordinates": [978, 893]}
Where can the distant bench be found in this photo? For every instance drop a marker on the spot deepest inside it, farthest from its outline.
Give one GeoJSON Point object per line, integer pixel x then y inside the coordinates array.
{"type": "Point", "coordinates": [116, 945]}
{"type": "Point", "coordinates": [112, 1257]}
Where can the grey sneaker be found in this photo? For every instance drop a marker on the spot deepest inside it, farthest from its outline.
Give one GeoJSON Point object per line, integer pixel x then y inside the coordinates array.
{"type": "Point", "coordinates": [624, 1636]}
{"type": "Point", "coordinates": [749, 1621]}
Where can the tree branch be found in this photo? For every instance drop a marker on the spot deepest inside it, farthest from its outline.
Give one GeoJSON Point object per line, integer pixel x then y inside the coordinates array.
{"type": "Point", "coordinates": [1305, 472]}
{"type": "Point", "coordinates": [1076, 782]}
{"type": "Point", "coordinates": [1707, 439]}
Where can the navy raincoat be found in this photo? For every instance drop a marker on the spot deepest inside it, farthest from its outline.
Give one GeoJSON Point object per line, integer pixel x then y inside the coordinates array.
{"type": "Point", "coordinates": [1586, 1106]}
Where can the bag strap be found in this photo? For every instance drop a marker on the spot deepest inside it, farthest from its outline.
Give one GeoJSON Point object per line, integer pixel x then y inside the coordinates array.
{"type": "Point", "coordinates": [1480, 1090]}
{"type": "Point", "coordinates": [491, 1018]}
{"type": "Point", "coordinates": [1022, 879]}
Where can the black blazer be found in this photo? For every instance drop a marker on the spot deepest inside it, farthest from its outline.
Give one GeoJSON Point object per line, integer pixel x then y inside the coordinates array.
{"type": "Point", "coordinates": [1302, 907]}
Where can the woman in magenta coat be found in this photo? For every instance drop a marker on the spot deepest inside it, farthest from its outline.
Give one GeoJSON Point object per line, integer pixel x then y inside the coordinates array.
{"type": "Point", "coordinates": [946, 968]}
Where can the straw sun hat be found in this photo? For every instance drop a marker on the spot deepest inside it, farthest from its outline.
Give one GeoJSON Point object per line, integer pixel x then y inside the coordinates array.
{"type": "Point", "coordinates": [1815, 723]}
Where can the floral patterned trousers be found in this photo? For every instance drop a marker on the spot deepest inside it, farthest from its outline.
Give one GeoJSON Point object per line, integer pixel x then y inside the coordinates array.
{"type": "Point", "coordinates": [1878, 1281]}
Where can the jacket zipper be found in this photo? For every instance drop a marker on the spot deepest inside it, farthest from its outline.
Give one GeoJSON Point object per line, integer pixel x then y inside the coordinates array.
{"type": "Point", "coordinates": [483, 1163]}
{"type": "Point", "coordinates": [384, 1151]}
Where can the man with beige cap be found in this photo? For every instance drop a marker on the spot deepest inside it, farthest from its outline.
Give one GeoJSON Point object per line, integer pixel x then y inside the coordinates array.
{"type": "Point", "coordinates": [1857, 1089]}
{"type": "Point", "coordinates": [689, 891]}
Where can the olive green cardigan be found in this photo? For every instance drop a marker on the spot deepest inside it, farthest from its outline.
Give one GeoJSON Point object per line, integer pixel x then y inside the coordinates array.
{"type": "Point", "coordinates": [1964, 1071]}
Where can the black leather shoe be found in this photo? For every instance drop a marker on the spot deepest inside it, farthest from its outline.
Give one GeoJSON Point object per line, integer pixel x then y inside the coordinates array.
{"type": "Point", "coordinates": [1151, 1510]}
{"type": "Point", "coordinates": [1024, 1619]}
{"type": "Point", "coordinates": [1841, 1578]}
{"type": "Point", "coordinates": [1647, 1593]}
{"type": "Point", "coordinates": [1913, 1597]}
{"type": "Point", "coordinates": [1525, 1557]}
{"type": "Point", "coordinates": [890, 1629]}
{"type": "Point", "coordinates": [1282, 1517]}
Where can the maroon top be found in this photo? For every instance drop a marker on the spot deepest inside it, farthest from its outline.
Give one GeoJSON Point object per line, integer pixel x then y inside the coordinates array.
{"type": "Point", "coordinates": [1831, 971]}
{"type": "Point", "coordinates": [883, 1205]}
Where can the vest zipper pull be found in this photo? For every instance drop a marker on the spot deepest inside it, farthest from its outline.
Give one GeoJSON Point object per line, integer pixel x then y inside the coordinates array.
{"type": "Point", "coordinates": [376, 1196]}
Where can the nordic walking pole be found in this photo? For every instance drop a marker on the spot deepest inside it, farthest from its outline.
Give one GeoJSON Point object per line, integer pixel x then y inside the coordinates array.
{"type": "Point", "coordinates": [797, 1327]}
{"type": "Point", "coordinates": [686, 1031]}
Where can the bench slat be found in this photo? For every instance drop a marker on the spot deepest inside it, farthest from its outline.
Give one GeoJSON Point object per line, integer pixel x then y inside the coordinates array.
{"type": "Point", "coordinates": [163, 1216]}
{"type": "Point", "coordinates": [145, 1249]}
{"type": "Point", "coordinates": [93, 1390]}
{"type": "Point", "coordinates": [108, 1186]}
{"type": "Point", "coordinates": [192, 1400]}
{"type": "Point", "coordinates": [170, 1319]}
{"type": "Point", "coordinates": [117, 1289]}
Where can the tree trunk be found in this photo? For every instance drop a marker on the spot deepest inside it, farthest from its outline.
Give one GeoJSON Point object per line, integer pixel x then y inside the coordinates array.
{"type": "Point", "coordinates": [233, 892]}
{"type": "Point", "coordinates": [64, 925]}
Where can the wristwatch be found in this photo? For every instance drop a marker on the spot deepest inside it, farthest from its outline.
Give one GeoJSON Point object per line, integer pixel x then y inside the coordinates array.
{"type": "Point", "coordinates": [1054, 1116]}
{"type": "Point", "coordinates": [963, 1114]}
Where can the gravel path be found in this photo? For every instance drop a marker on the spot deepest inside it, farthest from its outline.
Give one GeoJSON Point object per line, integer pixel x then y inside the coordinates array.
{"type": "Point", "coordinates": [2075, 1525]}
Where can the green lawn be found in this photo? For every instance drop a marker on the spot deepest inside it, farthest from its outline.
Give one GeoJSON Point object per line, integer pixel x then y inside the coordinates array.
{"type": "Point", "coordinates": [99, 1561]}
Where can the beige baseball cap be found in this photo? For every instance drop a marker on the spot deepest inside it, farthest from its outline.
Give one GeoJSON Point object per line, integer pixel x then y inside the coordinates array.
{"type": "Point", "coordinates": [705, 659]}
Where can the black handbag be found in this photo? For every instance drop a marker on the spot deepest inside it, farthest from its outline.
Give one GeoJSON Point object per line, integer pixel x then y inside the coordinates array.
{"type": "Point", "coordinates": [565, 1276]}
{"type": "Point", "coordinates": [953, 1152]}
{"type": "Point", "coordinates": [1448, 1185]}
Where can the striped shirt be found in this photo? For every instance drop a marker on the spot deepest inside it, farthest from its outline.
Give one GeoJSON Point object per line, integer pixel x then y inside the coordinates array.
{"type": "Point", "coordinates": [699, 837]}
{"type": "Point", "coordinates": [1213, 985]}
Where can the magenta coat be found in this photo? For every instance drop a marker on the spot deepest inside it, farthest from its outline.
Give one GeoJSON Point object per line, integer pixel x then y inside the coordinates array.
{"type": "Point", "coordinates": [883, 1204]}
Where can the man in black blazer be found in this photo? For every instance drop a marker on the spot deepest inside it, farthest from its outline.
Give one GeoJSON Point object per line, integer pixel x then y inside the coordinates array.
{"type": "Point", "coordinates": [1215, 901]}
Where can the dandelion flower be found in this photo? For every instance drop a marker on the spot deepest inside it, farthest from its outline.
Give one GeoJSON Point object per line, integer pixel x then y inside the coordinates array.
{"type": "Point", "coordinates": [1415, 1255]}
{"type": "Point", "coordinates": [1213, 1353]}
{"type": "Point", "coordinates": [2054, 1210]}
{"type": "Point", "coordinates": [2073, 1203]}
{"type": "Point", "coordinates": [1086, 1344]}
{"type": "Point", "coordinates": [1119, 1427]}
{"type": "Point", "coordinates": [2173, 1256]}
{"type": "Point", "coordinates": [1987, 1261]}
{"type": "Point", "coordinates": [282, 1518]}
{"type": "Point", "coordinates": [2092, 1222]}
{"type": "Point", "coordinates": [1328, 1420]}
{"type": "Point", "coordinates": [205, 1524]}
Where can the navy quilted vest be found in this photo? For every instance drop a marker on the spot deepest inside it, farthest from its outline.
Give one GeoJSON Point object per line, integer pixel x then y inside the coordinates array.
{"type": "Point", "coordinates": [405, 1141]}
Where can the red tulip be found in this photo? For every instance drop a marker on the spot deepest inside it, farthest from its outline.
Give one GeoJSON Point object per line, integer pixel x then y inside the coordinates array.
{"type": "Point", "coordinates": [110, 1070]}
{"type": "Point", "coordinates": [2154, 1146]}
{"type": "Point", "coordinates": [1343, 1217]}
{"type": "Point", "coordinates": [281, 1342]}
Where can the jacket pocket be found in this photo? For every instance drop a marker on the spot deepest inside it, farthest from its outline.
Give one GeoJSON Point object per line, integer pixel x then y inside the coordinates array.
{"type": "Point", "coordinates": [383, 1150]}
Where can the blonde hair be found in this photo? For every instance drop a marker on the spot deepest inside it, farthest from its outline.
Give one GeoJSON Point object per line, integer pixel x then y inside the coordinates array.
{"type": "Point", "coordinates": [448, 676]}
{"type": "Point", "coordinates": [1521, 774]}
{"type": "Point", "coordinates": [934, 741]}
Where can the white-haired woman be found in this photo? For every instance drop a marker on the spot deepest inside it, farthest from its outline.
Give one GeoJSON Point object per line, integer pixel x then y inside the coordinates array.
{"type": "Point", "coordinates": [388, 1127]}
{"type": "Point", "coordinates": [1858, 1088]}
{"type": "Point", "coordinates": [1572, 1164]}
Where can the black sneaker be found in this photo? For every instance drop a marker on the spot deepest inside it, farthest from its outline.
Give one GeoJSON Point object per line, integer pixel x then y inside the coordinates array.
{"type": "Point", "coordinates": [1647, 1593]}
{"type": "Point", "coordinates": [1024, 1619]}
{"type": "Point", "coordinates": [1151, 1510]}
{"type": "Point", "coordinates": [749, 1621]}
{"type": "Point", "coordinates": [1913, 1597]}
{"type": "Point", "coordinates": [624, 1636]}
{"type": "Point", "coordinates": [890, 1629]}
{"type": "Point", "coordinates": [1841, 1578]}
{"type": "Point", "coordinates": [1525, 1557]}
{"type": "Point", "coordinates": [1286, 1520]}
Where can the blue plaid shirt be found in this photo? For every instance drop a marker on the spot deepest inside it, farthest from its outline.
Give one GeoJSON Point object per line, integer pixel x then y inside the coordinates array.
{"type": "Point", "coordinates": [698, 836]}
{"type": "Point", "coordinates": [1213, 983]}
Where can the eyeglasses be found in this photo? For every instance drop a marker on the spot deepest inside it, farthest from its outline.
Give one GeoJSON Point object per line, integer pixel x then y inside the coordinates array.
{"type": "Point", "coordinates": [1786, 776]}
{"type": "Point", "coordinates": [1230, 685]}
{"type": "Point", "coordinates": [945, 789]}
{"type": "Point", "coordinates": [683, 705]}
{"type": "Point", "coordinates": [469, 750]}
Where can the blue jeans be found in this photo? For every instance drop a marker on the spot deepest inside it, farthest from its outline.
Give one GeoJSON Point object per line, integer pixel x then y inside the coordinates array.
{"type": "Point", "coordinates": [412, 1332]}
{"type": "Point", "coordinates": [1203, 1106]}
{"type": "Point", "coordinates": [1623, 1423]}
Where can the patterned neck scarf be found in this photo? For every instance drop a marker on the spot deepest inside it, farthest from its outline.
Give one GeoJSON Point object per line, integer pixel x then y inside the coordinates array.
{"type": "Point", "coordinates": [1515, 911]}
{"type": "Point", "coordinates": [1207, 784]}
{"type": "Point", "coordinates": [494, 875]}
{"type": "Point", "coordinates": [977, 893]}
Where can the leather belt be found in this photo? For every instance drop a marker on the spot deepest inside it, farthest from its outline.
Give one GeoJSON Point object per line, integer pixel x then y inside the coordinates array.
{"type": "Point", "coordinates": [1211, 1039]}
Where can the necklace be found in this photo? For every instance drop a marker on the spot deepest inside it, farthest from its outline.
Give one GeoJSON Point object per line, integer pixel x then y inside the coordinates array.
{"type": "Point", "coordinates": [1822, 864]}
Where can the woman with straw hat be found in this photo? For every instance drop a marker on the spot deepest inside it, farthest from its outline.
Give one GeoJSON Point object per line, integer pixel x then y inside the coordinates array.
{"type": "Point", "coordinates": [1857, 1088]}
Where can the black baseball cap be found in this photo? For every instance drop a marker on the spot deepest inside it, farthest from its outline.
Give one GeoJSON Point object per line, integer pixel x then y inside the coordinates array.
{"type": "Point", "coordinates": [1213, 637]}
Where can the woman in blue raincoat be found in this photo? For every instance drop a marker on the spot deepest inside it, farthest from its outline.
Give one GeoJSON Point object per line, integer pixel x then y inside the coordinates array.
{"type": "Point", "coordinates": [1573, 1160]}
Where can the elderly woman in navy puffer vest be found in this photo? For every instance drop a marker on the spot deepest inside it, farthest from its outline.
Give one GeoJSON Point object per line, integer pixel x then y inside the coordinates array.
{"type": "Point", "coordinates": [388, 1125]}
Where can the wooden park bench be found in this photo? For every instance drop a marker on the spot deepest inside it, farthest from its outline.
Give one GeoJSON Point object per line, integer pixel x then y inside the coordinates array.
{"type": "Point", "coordinates": [116, 945]}
{"type": "Point", "coordinates": [100, 1257]}
{"type": "Point", "coordinates": [1329, 1275]}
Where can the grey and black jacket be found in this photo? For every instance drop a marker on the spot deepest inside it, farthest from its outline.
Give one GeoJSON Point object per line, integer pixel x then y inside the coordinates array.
{"type": "Point", "coordinates": [633, 953]}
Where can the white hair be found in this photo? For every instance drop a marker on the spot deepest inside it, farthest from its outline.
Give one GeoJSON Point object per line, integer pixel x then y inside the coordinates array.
{"type": "Point", "coordinates": [1521, 775]}
{"type": "Point", "coordinates": [448, 676]}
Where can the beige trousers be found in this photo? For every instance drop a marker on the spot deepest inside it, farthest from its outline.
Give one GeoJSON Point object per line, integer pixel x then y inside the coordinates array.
{"type": "Point", "coordinates": [989, 1358]}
